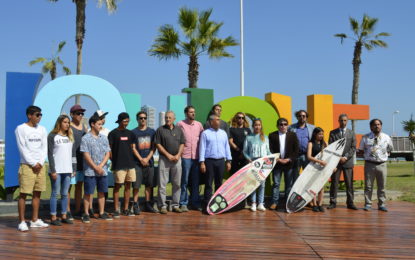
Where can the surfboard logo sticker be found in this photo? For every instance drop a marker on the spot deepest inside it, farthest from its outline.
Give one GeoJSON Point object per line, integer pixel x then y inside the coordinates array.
{"type": "Point", "coordinates": [257, 164]}
{"type": "Point", "coordinates": [312, 192]}
{"type": "Point", "coordinates": [268, 163]}
{"type": "Point", "coordinates": [341, 144]}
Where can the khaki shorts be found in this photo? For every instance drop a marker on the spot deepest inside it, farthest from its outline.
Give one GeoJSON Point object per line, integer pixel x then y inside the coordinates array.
{"type": "Point", "coordinates": [122, 176]}
{"type": "Point", "coordinates": [30, 181]}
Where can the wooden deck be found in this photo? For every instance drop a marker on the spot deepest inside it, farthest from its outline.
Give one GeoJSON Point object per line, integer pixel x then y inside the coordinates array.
{"type": "Point", "coordinates": [338, 233]}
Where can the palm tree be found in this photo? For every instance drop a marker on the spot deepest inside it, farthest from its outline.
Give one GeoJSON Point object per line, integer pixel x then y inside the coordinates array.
{"type": "Point", "coordinates": [364, 36]}
{"type": "Point", "coordinates": [80, 28]}
{"type": "Point", "coordinates": [201, 35]}
{"type": "Point", "coordinates": [409, 126]}
{"type": "Point", "coordinates": [50, 64]}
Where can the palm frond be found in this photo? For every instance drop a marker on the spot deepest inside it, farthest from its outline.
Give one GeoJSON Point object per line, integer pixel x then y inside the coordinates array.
{"type": "Point", "coordinates": [382, 34]}
{"type": "Point", "coordinates": [369, 23]}
{"type": "Point", "coordinates": [60, 46]}
{"type": "Point", "coordinates": [378, 43]}
{"type": "Point", "coordinates": [342, 36]}
{"type": "Point", "coordinates": [165, 44]}
{"type": "Point", "coordinates": [354, 24]}
{"type": "Point", "coordinates": [45, 69]}
{"type": "Point", "coordinates": [37, 60]}
{"type": "Point", "coordinates": [66, 70]}
{"type": "Point", "coordinates": [58, 59]}
{"type": "Point", "coordinates": [188, 20]}
{"type": "Point", "coordinates": [368, 46]}
{"type": "Point", "coordinates": [217, 47]}
{"type": "Point", "coordinates": [110, 4]}
{"type": "Point", "coordinates": [204, 16]}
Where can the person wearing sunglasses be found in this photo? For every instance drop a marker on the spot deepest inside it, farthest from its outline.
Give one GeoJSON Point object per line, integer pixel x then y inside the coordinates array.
{"type": "Point", "coordinates": [217, 110]}
{"type": "Point", "coordinates": [144, 163]}
{"type": "Point", "coordinates": [32, 143]}
{"type": "Point", "coordinates": [375, 148]}
{"type": "Point", "coordinates": [78, 130]}
{"type": "Point", "coordinates": [238, 132]}
{"type": "Point", "coordinates": [286, 144]}
{"type": "Point", "coordinates": [345, 165]}
{"type": "Point", "coordinates": [304, 132]}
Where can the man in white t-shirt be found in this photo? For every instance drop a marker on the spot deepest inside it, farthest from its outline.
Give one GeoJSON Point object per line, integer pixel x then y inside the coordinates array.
{"type": "Point", "coordinates": [32, 143]}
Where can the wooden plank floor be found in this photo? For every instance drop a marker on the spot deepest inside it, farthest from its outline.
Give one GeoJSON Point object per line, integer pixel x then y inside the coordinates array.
{"type": "Point", "coordinates": [338, 233]}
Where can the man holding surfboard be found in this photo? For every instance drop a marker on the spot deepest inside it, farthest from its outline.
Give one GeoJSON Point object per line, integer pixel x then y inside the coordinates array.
{"type": "Point", "coordinates": [346, 163]}
{"type": "Point", "coordinates": [375, 148]}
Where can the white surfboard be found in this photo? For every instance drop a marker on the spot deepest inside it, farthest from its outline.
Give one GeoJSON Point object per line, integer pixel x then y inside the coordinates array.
{"type": "Point", "coordinates": [314, 176]}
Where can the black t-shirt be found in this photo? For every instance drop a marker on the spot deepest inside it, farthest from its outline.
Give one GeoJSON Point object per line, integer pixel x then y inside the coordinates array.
{"type": "Point", "coordinates": [122, 154]}
{"type": "Point", "coordinates": [144, 141]}
{"type": "Point", "coordinates": [238, 135]}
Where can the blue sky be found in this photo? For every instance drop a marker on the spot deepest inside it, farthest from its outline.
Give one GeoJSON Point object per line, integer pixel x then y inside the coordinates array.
{"type": "Point", "coordinates": [289, 49]}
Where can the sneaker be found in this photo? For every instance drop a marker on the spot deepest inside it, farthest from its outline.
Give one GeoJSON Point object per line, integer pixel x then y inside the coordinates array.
{"type": "Point", "coordinates": [149, 208]}
{"type": "Point", "coordinates": [92, 213]}
{"type": "Point", "coordinates": [367, 208]}
{"type": "Point", "coordinates": [383, 208]}
{"type": "Point", "coordinates": [273, 206]}
{"type": "Point", "coordinates": [116, 214]}
{"type": "Point", "coordinates": [136, 209]}
{"type": "Point", "coordinates": [128, 213]}
{"type": "Point", "coordinates": [163, 210]}
{"type": "Point", "coordinates": [104, 216]}
{"type": "Point", "coordinates": [315, 209]}
{"type": "Point", "coordinates": [320, 208]}
{"type": "Point", "coordinates": [85, 218]}
{"type": "Point", "coordinates": [352, 206]}
{"type": "Point", "coordinates": [261, 207]}
{"type": "Point", "coordinates": [23, 227]}
{"type": "Point", "coordinates": [253, 207]}
{"type": "Point", "coordinates": [55, 222]}
{"type": "Point", "coordinates": [177, 209]}
{"type": "Point", "coordinates": [331, 206]}
{"type": "Point", "coordinates": [184, 208]}
{"type": "Point", "coordinates": [38, 224]}
{"type": "Point", "coordinates": [67, 220]}
{"type": "Point", "coordinates": [69, 216]}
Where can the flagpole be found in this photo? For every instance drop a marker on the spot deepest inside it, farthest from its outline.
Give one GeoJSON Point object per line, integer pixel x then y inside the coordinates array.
{"type": "Point", "coordinates": [242, 50]}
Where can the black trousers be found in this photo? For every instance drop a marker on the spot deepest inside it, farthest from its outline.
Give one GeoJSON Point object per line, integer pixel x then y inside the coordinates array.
{"type": "Point", "coordinates": [214, 171]}
{"type": "Point", "coordinates": [348, 179]}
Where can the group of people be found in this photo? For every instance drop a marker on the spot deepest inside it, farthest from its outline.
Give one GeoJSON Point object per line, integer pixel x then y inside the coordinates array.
{"type": "Point", "coordinates": [189, 154]}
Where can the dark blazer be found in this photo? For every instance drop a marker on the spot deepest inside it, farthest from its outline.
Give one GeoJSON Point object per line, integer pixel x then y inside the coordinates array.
{"type": "Point", "coordinates": [291, 146]}
{"type": "Point", "coordinates": [349, 149]}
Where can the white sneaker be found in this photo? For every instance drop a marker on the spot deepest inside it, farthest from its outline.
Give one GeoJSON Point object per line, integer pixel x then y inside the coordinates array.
{"type": "Point", "coordinates": [23, 227]}
{"type": "Point", "coordinates": [38, 223]}
{"type": "Point", "coordinates": [261, 207]}
{"type": "Point", "coordinates": [253, 207]}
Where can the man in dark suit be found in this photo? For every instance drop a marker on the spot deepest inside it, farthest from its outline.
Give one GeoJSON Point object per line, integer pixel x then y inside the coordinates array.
{"type": "Point", "coordinates": [346, 163]}
{"type": "Point", "coordinates": [285, 143]}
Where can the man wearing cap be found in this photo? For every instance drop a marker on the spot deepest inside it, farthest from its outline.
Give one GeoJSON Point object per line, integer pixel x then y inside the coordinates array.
{"type": "Point", "coordinates": [121, 141]}
{"type": "Point", "coordinates": [169, 140]}
{"type": "Point", "coordinates": [79, 130]}
{"type": "Point", "coordinates": [101, 114]}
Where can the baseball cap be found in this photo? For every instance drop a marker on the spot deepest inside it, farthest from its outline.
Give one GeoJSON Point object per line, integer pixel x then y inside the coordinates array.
{"type": "Point", "coordinates": [77, 107]}
{"type": "Point", "coordinates": [101, 114]}
{"type": "Point", "coordinates": [122, 116]}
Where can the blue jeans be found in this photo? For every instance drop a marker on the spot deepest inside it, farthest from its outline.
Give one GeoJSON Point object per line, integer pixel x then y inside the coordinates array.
{"type": "Point", "coordinates": [59, 186]}
{"type": "Point", "coordinates": [190, 168]}
{"type": "Point", "coordinates": [300, 163]}
{"type": "Point", "coordinates": [261, 191]}
{"type": "Point", "coordinates": [288, 180]}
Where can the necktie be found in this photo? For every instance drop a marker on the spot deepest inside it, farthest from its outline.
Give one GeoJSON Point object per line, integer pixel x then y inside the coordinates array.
{"type": "Point", "coordinates": [342, 135]}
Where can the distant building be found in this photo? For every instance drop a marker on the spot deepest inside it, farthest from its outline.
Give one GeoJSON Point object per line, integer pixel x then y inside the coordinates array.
{"type": "Point", "coordinates": [151, 115]}
{"type": "Point", "coordinates": [2, 150]}
{"type": "Point", "coordinates": [161, 118]}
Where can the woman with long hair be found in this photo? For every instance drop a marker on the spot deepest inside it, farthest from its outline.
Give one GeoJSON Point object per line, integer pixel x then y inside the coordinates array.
{"type": "Point", "coordinates": [62, 164]}
{"type": "Point", "coordinates": [315, 146]}
{"type": "Point", "coordinates": [256, 145]}
{"type": "Point", "coordinates": [238, 132]}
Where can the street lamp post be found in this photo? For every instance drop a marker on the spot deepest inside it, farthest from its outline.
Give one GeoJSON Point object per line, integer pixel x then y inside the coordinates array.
{"type": "Point", "coordinates": [242, 49]}
{"type": "Point", "coordinates": [393, 122]}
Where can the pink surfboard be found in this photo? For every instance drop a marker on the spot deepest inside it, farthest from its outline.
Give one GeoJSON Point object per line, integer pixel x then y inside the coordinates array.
{"type": "Point", "coordinates": [240, 185]}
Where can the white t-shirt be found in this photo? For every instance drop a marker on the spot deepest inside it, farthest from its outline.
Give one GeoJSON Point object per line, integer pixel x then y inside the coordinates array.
{"type": "Point", "coordinates": [32, 144]}
{"type": "Point", "coordinates": [282, 144]}
{"type": "Point", "coordinates": [61, 154]}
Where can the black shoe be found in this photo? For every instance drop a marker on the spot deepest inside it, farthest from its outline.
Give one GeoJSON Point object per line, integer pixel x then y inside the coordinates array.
{"type": "Point", "coordinates": [116, 214]}
{"type": "Point", "coordinates": [331, 206]}
{"type": "Point", "coordinates": [85, 218]}
{"type": "Point", "coordinates": [136, 209]}
{"type": "Point", "coordinates": [128, 213]}
{"type": "Point", "coordinates": [67, 220]}
{"type": "Point", "coordinates": [352, 207]}
{"type": "Point", "coordinates": [104, 216]}
{"type": "Point", "coordinates": [197, 208]}
{"type": "Point", "coordinates": [315, 209]}
{"type": "Point", "coordinates": [55, 222]}
{"type": "Point", "coordinates": [92, 213]}
{"type": "Point", "coordinates": [69, 216]}
{"type": "Point", "coordinates": [149, 208]}
{"type": "Point", "coordinates": [320, 208]}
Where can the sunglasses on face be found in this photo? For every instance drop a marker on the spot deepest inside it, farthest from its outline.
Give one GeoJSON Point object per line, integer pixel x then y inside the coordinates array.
{"type": "Point", "coordinates": [142, 118]}
{"type": "Point", "coordinates": [38, 114]}
{"type": "Point", "coordinates": [79, 113]}
{"type": "Point", "coordinates": [241, 117]}
{"type": "Point", "coordinates": [301, 116]}
{"type": "Point", "coordinates": [283, 124]}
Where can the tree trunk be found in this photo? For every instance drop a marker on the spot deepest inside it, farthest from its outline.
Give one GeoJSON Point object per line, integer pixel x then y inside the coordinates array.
{"type": "Point", "coordinates": [356, 75]}
{"type": "Point", "coordinates": [80, 35]}
{"type": "Point", "coordinates": [193, 73]}
{"type": "Point", "coordinates": [53, 71]}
